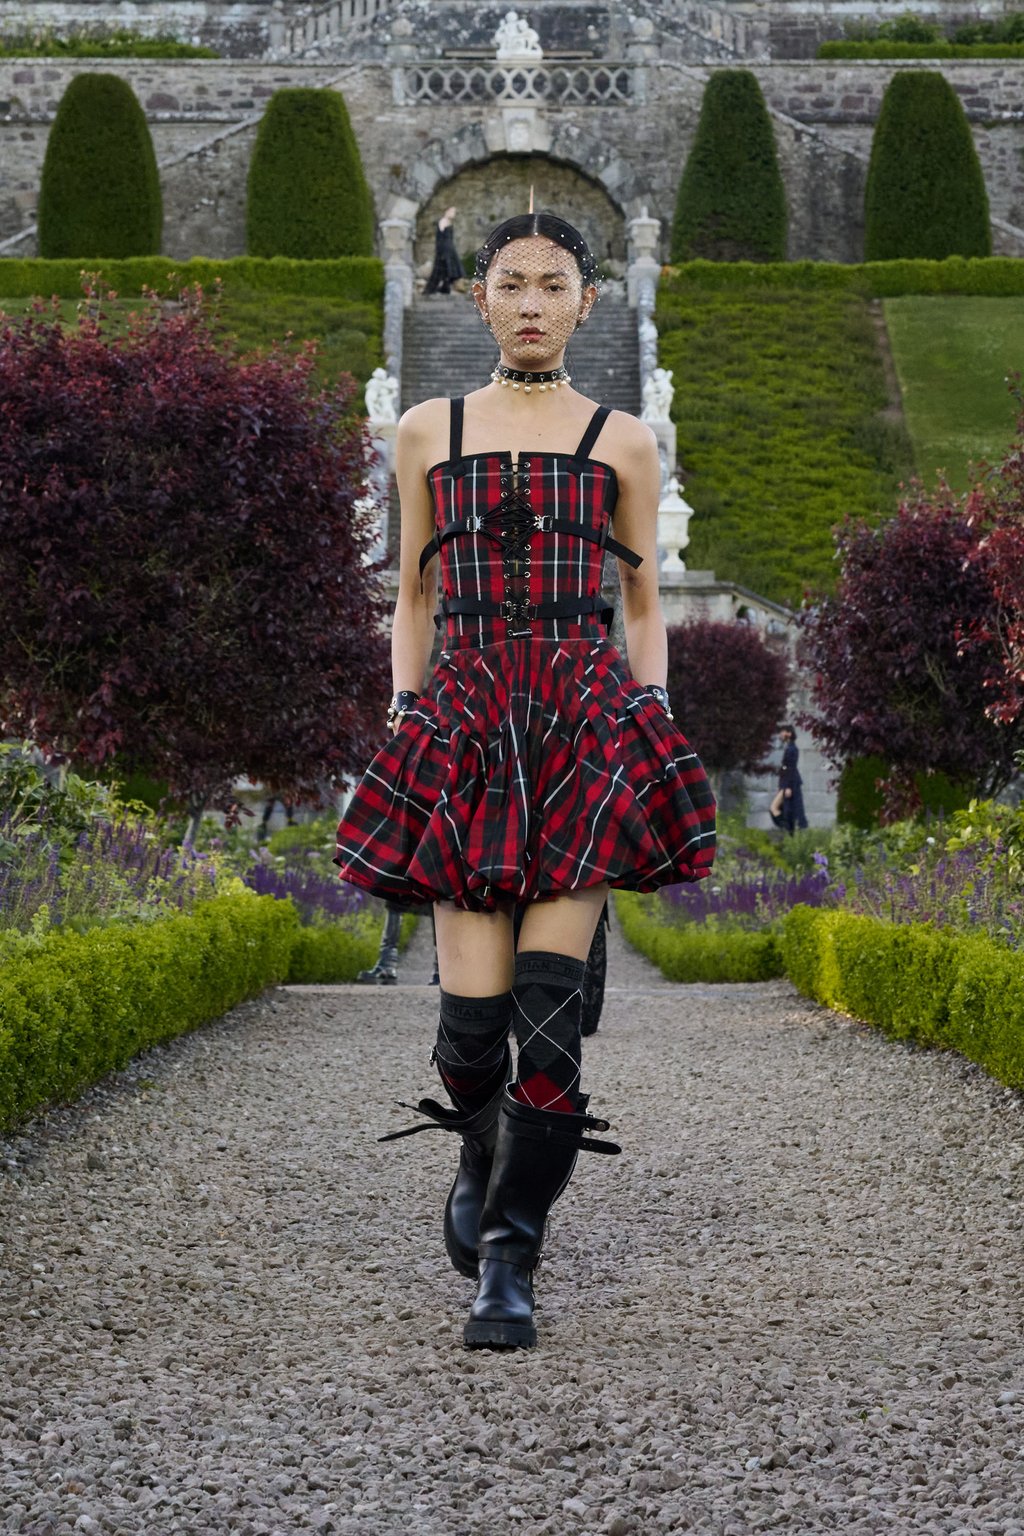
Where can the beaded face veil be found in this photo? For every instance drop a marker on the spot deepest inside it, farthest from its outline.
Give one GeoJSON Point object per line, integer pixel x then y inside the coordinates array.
{"type": "Point", "coordinates": [534, 283]}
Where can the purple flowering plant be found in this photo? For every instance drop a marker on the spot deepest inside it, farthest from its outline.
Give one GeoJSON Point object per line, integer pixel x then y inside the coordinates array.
{"type": "Point", "coordinates": [964, 873]}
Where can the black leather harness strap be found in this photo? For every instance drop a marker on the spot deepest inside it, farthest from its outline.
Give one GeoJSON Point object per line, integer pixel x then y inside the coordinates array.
{"type": "Point", "coordinates": [518, 610]}
{"type": "Point", "coordinates": [564, 525]}
{"type": "Point", "coordinates": [455, 429]}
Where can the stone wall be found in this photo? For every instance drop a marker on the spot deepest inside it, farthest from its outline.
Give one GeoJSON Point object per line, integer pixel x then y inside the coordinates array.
{"type": "Point", "coordinates": [204, 114]}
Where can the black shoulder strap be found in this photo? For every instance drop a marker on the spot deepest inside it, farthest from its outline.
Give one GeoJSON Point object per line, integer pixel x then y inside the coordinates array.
{"type": "Point", "coordinates": [593, 432]}
{"type": "Point", "coordinates": [455, 438]}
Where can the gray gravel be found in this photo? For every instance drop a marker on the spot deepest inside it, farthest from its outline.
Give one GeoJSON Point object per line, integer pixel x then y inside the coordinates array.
{"type": "Point", "coordinates": [793, 1304]}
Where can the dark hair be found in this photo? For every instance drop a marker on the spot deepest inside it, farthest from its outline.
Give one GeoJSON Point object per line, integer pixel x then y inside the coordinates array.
{"type": "Point", "coordinates": [521, 226]}
{"type": "Point", "coordinates": [788, 728]}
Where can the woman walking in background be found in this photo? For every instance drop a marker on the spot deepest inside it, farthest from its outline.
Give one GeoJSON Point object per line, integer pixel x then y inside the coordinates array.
{"type": "Point", "coordinates": [447, 268]}
{"type": "Point", "coordinates": [787, 809]}
{"type": "Point", "coordinates": [538, 767]}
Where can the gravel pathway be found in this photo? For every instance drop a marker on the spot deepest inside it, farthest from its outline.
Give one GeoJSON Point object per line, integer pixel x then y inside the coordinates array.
{"type": "Point", "coordinates": [793, 1304]}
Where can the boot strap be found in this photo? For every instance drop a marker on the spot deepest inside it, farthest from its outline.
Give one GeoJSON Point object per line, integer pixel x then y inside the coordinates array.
{"type": "Point", "coordinates": [570, 1136]}
{"type": "Point", "coordinates": [441, 1118]}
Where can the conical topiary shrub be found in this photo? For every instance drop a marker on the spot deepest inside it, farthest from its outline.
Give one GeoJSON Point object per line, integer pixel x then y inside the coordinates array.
{"type": "Point", "coordinates": [100, 190]}
{"type": "Point", "coordinates": [308, 197]}
{"type": "Point", "coordinates": [925, 192]}
{"type": "Point", "coordinates": [731, 204]}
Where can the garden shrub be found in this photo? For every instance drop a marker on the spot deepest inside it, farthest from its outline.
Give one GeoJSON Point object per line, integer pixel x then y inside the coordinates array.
{"type": "Point", "coordinates": [688, 952]}
{"type": "Point", "coordinates": [859, 802]}
{"type": "Point", "coordinates": [731, 204]}
{"type": "Point", "coordinates": [308, 196]}
{"type": "Point", "coordinates": [955, 991]}
{"type": "Point", "coordinates": [925, 194]}
{"type": "Point", "coordinates": [74, 1006]}
{"type": "Point", "coordinates": [99, 193]}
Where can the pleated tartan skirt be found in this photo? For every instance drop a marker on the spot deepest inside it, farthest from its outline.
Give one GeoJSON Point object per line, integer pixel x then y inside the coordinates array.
{"type": "Point", "coordinates": [530, 767]}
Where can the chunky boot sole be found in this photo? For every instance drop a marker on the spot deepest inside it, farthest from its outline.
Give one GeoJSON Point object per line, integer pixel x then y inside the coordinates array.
{"type": "Point", "coordinates": [484, 1335]}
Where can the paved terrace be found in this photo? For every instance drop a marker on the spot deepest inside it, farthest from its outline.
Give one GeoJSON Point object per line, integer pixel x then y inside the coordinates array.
{"type": "Point", "coordinates": [793, 1304]}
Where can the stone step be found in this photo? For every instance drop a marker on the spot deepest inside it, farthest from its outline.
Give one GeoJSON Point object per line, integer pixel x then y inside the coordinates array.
{"type": "Point", "coordinates": [446, 351]}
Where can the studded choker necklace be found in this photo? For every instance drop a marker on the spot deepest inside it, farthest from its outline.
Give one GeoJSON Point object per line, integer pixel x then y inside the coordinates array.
{"type": "Point", "coordinates": [528, 381]}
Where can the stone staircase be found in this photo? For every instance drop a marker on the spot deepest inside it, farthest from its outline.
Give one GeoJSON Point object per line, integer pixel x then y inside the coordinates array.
{"type": "Point", "coordinates": [446, 351]}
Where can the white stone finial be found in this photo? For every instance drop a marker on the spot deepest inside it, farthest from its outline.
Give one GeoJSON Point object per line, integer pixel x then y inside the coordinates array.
{"type": "Point", "coordinates": [516, 40]}
{"type": "Point", "coordinates": [381, 397]}
{"type": "Point", "coordinates": [673, 528]}
{"type": "Point", "coordinates": [657, 396]}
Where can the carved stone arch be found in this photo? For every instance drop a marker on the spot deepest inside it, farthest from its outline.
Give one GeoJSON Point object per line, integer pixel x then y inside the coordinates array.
{"type": "Point", "coordinates": [518, 141]}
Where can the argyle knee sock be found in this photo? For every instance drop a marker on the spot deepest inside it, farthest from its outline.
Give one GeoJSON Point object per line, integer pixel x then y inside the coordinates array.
{"type": "Point", "coordinates": [472, 1046]}
{"type": "Point", "coordinates": [548, 1001]}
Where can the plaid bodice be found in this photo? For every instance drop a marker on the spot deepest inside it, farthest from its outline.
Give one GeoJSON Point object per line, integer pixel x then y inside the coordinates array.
{"type": "Point", "coordinates": [522, 543]}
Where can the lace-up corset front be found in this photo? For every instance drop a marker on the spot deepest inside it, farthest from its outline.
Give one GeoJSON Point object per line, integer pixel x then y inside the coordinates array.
{"type": "Point", "coordinates": [522, 543]}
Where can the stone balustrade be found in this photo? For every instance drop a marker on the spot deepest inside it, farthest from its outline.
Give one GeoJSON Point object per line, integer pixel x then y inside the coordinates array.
{"type": "Point", "coordinates": [542, 84]}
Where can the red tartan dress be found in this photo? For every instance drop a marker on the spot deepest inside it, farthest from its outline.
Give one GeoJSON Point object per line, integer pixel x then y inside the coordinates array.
{"type": "Point", "coordinates": [532, 764]}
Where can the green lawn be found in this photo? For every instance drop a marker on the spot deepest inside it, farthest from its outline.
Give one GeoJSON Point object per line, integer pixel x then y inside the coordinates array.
{"type": "Point", "coordinates": [953, 357]}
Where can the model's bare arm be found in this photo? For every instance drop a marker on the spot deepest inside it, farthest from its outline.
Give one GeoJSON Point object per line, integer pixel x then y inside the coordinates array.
{"type": "Point", "coordinates": [635, 450]}
{"type": "Point", "coordinates": [412, 631]}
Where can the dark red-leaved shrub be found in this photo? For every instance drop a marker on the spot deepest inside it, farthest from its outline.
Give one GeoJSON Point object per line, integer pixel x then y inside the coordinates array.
{"type": "Point", "coordinates": [890, 675]}
{"type": "Point", "coordinates": [183, 561]}
{"type": "Point", "coordinates": [995, 511]}
{"type": "Point", "coordinates": [728, 691]}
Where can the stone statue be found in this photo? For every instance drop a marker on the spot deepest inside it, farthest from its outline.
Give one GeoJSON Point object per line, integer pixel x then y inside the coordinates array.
{"type": "Point", "coordinates": [657, 394]}
{"type": "Point", "coordinates": [516, 39]}
{"type": "Point", "coordinates": [381, 397]}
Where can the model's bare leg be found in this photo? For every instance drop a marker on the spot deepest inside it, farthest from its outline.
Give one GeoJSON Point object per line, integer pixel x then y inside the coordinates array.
{"type": "Point", "coordinates": [566, 925]}
{"type": "Point", "coordinates": [474, 950]}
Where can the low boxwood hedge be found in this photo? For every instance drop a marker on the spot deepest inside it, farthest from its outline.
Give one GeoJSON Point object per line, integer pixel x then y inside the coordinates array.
{"type": "Point", "coordinates": [958, 992]}
{"type": "Point", "coordinates": [996, 276]}
{"type": "Point", "coordinates": [328, 953]}
{"type": "Point", "coordinates": [692, 952]}
{"type": "Point", "coordinates": [882, 49]}
{"type": "Point", "coordinates": [78, 1005]}
{"type": "Point", "coordinates": [347, 277]}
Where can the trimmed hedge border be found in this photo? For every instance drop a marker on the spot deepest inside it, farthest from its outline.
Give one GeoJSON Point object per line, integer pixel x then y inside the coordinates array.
{"type": "Point", "coordinates": [348, 277]}
{"type": "Point", "coordinates": [83, 1004]}
{"type": "Point", "coordinates": [957, 992]}
{"type": "Point", "coordinates": [694, 953]}
{"type": "Point", "coordinates": [328, 953]}
{"type": "Point", "coordinates": [882, 49]}
{"type": "Point", "coordinates": [995, 276]}
{"type": "Point", "coordinates": [960, 992]}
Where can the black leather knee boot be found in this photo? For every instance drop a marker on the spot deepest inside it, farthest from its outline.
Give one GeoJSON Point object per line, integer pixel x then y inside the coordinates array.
{"type": "Point", "coordinates": [479, 1132]}
{"type": "Point", "coordinates": [534, 1157]}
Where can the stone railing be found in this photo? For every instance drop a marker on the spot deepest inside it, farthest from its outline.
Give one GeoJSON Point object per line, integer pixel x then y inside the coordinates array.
{"type": "Point", "coordinates": [290, 36]}
{"type": "Point", "coordinates": [536, 84]}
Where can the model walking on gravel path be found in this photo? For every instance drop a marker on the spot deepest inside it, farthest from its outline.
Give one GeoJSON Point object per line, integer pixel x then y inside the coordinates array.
{"type": "Point", "coordinates": [538, 768]}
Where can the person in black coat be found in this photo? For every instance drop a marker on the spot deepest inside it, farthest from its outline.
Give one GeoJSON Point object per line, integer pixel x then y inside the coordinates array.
{"type": "Point", "coordinates": [787, 809]}
{"type": "Point", "coordinates": [447, 267]}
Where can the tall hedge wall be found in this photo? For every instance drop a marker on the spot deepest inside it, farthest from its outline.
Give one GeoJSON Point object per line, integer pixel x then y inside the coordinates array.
{"type": "Point", "coordinates": [100, 190]}
{"type": "Point", "coordinates": [925, 192]}
{"type": "Point", "coordinates": [731, 204]}
{"type": "Point", "coordinates": [308, 197]}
